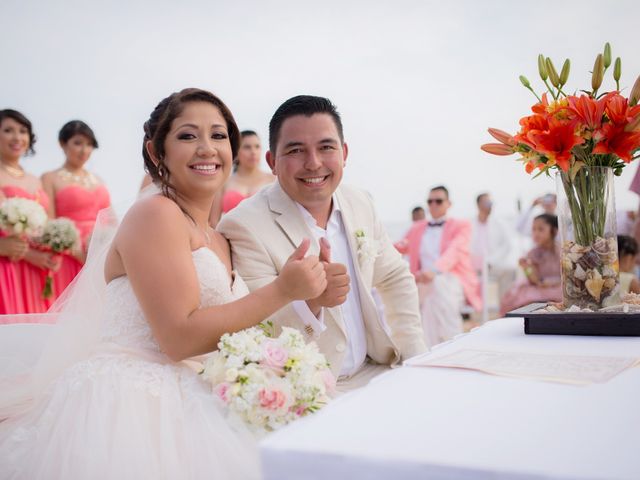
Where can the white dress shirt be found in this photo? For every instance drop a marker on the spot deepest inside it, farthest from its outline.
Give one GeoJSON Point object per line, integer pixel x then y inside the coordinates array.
{"type": "Point", "coordinates": [430, 246]}
{"type": "Point", "coordinates": [351, 310]}
{"type": "Point", "coordinates": [491, 241]}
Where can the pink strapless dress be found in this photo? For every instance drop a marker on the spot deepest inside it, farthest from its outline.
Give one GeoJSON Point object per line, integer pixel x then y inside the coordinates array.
{"type": "Point", "coordinates": [82, 206]}
{"type": "Point", "coordinates": [22, 283]}
{"type": "Point", "coordinates": [231, 199]}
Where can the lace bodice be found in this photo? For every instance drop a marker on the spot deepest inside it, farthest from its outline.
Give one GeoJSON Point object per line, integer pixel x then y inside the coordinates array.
{"type": "Point", "coordinates": [124, 323]}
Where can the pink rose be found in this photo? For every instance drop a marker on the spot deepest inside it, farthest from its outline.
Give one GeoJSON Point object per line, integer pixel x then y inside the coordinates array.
{"type": "Point", "coordinates": [329, 381]}
{"type": "Point", "coordinates": [274, 355]}
{"type": "Point", "coordinates": [222, 391]}
{"type": "Point", "coordinates": [272, 399]}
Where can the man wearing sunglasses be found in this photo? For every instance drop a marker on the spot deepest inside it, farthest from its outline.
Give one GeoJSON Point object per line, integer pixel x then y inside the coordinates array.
{"type": "Point", "coordinates": [439, 259]}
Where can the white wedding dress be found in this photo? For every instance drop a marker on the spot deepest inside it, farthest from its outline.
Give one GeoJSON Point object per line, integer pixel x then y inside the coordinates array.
{"type": "Point", "coordinates": [127, 411]}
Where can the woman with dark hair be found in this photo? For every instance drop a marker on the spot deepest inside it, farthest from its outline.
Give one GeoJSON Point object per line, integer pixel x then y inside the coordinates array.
{"type": "Point", "coordinates": [247, 177]}
{"type": "Point", "coordinates": [115, 399]}
{"type": "Point", "coordinates": [76, 193]}
{"type": "Point", "coordinates": [23, 269]}
{"type": "Point", "coordinates": [541, 268]}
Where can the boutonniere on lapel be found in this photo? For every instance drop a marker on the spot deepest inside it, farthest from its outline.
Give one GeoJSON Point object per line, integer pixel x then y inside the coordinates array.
{"type": "Point", "coordinates": [367, 248]}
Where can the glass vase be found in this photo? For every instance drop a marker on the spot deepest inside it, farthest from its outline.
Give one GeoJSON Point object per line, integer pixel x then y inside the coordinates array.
{"type": "Point", "coordinates": [589, 245]}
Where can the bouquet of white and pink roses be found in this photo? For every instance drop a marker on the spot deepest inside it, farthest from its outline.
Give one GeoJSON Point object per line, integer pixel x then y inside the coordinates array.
{"type": "Point", "coordinates": [22, 217]}
{"type": "Point", "coordinates": [268, 381]}
{"type": "Point", "coordinates": [59, 236]}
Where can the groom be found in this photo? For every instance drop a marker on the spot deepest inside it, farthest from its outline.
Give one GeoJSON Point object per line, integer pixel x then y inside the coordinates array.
{"type": "Point", "coordinates": [307, 153]}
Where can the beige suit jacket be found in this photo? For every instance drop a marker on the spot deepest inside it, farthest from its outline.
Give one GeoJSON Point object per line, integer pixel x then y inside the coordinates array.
{"type": "Point", "coordinates": [265, 229]}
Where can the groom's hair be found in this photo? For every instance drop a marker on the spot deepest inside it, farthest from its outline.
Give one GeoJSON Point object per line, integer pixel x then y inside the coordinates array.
{"type": "Point", "coordinates": [306, 105]}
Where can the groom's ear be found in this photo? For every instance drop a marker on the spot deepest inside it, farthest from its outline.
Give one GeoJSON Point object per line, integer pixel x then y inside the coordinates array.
{"type": "Point", "coordinates": [345, 154]}
{"type": "Point", "coordinates": [271, 161]}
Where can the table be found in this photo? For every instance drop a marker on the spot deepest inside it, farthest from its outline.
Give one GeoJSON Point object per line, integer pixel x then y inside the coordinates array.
{"type": "Point", "coordinates": [415, 422]}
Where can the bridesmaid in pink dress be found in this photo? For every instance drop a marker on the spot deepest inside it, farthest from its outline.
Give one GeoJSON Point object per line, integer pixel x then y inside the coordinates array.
{"type": "Point", "coordinates": [22, 269]}
{"type": "Point", "coordinates": [246, 179]}
{"type": "Point", "coordinates": [77, 194]}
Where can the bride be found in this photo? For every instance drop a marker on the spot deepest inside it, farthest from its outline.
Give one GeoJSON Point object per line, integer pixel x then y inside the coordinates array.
{"type": "Point", "coordinates": [110, 397]}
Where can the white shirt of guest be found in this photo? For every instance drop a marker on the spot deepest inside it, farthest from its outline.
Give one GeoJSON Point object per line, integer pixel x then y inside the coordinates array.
{"type": "Point", "coordinates": [491, 241]}
{"type": "Point", "coordinates": [356, 350]}
{"type": "Point", "coordinates": [430, 246]}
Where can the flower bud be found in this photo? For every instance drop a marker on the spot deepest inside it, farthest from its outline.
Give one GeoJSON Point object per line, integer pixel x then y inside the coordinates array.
{"type": "Point", "coordinates": [607, 55]}
{"type": "Point", "coordinates": [502, 136]}
{"type": "Point", "coordinates": [553, 74]}
{"type": "Point", "coordinates": [617, 69]}
{"type": "Point", "coordinates": [598, 73]}
{"type": "Point", "coordinates": [564, 74]}
{"type": "Point", "coordinates": [634, 96]}
{"type": "Point", "coordinates": [542, 67]}
{"type": "Point", "coordinates": [497, 148]}
{"type": "Point", "coordinates": [525, 81]}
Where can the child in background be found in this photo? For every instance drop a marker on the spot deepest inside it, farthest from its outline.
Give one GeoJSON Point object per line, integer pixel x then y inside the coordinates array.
{"type": "Point", "coordinates": [541, 267]}
{"type": "Point", "coordinates": [627, 254]}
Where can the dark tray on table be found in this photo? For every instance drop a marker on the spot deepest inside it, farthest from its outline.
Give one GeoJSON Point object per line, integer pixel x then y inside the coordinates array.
{"type": "Point", "coordinates": [613, 324]}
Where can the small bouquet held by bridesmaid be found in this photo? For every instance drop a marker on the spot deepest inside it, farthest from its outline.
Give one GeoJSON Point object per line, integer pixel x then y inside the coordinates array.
{"type": "Point", "coordinates": [59, 236]}
{"type": "Point", "coordinates": [22, 217]}
{"type": "Point", "coordinates": [269, 381]}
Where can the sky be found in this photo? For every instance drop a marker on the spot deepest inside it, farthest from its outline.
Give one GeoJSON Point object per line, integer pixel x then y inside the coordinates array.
{"type": "Point", "coordinates": [417, 82]}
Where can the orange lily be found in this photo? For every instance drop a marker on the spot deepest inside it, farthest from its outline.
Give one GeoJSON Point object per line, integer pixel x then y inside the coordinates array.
{"type": "Point", "coordinates": [541, 108]}
{"type": "Point", "coordinates": [618, 141]}
{"type": "Point", "coordinates": [531, 124]}
{"type": "Point", "coordinates": [557, 143]}
{"type": "Point", "coordinates": [588, 110]}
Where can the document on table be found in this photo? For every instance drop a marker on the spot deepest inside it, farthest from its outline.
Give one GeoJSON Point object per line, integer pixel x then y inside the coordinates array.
{"type": "Point", "coordinates": [574, 369]}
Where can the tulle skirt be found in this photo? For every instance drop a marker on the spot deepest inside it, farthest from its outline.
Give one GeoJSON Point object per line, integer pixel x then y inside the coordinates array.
{"type": "Point", "coordinates": [119, 416]}
{"type": "Point", "coordinates": [21, 288]}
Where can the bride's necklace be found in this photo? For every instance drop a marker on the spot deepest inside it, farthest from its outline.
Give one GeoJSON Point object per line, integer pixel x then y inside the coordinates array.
{"type": "Point", "coordinates": [85, 179]}
{"type": "Point", "coordinates": [15, 172]}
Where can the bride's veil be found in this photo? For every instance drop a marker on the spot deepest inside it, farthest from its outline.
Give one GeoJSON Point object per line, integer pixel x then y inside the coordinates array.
{"type": "Point", "coordinates": [76, 317]}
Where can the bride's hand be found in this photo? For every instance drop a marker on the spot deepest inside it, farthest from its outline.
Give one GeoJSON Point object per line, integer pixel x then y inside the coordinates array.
{"type": "Point", "coordinates": [302, 277]}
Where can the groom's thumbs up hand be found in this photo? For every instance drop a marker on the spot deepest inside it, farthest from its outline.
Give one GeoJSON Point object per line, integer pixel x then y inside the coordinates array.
{"type": "Point", "coordinates": [337, 281]}
{"type": "Point", "coordinates": [325, 250]}
{"type": "Point", "coordinates": [301, 251]}
{"type": "Point", "coordinates": [302, 277]}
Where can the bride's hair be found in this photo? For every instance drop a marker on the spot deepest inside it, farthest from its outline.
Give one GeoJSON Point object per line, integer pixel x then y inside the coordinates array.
{"type": "Point", "coordinates": [157, 128]}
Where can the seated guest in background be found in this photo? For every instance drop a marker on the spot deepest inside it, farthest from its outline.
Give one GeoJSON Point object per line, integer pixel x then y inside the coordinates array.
{"type": "Point", "coordinates": [545, 204]}
{"type": "Point", "coordinates": [439, 259]}
{"type": "Point", "coordinates": [541, 267]}
{"type": "Point", "coordinates": [75, 193]}
{"type": "Point", "coordinates": [247, 177]}
{"type": "Point", "coordinates": [418, 213]}
{"type": "Point", "coordinates": [491, 243]}
{"type": "Point", "coordinates": [625, 222]}
{"type": "Point", "coordinates": [627, 255]}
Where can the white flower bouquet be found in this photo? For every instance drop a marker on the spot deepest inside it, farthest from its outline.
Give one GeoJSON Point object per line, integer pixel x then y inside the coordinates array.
{"type": "Point", "coordinates": [268, 381]}
{"type": "Point", "coordinates": [59, 236]}
{"type": "Point", "coordinates": [21, 216]}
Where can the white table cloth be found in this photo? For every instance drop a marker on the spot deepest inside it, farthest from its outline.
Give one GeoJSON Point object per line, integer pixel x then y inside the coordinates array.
{"type": "Point", "coordinates": [416, 422]}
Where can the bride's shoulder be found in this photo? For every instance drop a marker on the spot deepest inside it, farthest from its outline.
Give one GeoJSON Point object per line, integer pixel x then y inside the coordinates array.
{"type": "Point", "coordinates": [151, 216]}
